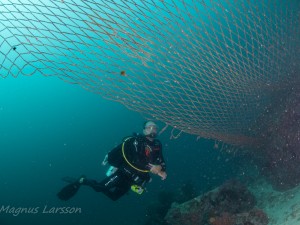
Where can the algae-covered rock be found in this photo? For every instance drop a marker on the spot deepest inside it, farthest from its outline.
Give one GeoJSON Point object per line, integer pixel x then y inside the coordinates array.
{"type": "Point", "coordinates": [230, 204]}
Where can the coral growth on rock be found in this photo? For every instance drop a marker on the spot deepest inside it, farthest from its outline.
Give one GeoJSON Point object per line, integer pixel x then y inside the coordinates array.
{"type": "Point", "coordinates": [233, 196]}
{"type": "Point", "coordinates": [230, 204]}
{"type": "Point", "coordinates": [252, 217]}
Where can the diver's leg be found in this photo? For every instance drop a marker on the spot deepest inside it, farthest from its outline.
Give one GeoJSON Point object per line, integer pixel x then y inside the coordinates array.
{"type": "Point", "coordinates": [97, 186]}
{"type": "Point", "coordinates": [118, 187]}
{"type": "Point", "coordinates": [114, 186]}
{"type": "Point", "coordinates": [117, 192]}
{"type": "Point", "coordinates": [104, 185]}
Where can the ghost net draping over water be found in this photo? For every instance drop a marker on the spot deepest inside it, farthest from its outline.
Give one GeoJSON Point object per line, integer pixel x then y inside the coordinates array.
{"type": "Point", "coordinates": [209, 68]}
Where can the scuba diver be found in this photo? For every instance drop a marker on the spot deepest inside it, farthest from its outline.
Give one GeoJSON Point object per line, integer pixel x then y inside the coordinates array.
{"type": "Point", "coordinates": [131, 163]}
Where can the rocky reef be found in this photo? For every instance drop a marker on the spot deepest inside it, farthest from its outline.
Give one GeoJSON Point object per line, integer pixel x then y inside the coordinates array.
{"type": "Point", "coordinates": [230, 204]}
{"type": "Point", "coordinates": [157, 210]}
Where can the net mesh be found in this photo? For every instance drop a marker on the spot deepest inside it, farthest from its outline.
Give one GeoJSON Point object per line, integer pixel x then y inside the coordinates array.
{"type": "Point", "coordinates": [209, 68]}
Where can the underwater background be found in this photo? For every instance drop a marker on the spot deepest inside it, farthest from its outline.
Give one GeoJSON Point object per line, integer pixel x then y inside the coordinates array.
{"type": "Point", "coordinates": [50, 129]}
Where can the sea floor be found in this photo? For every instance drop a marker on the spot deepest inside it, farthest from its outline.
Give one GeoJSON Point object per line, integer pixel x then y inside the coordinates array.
{"type": "Point", "coordinates": [218, 207]}
{"type": "Point", "coordinates": [282, 208]}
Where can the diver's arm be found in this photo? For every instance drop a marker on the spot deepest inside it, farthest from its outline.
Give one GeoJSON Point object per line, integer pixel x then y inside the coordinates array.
{"type": "Point", "coordinates": [157, 169]}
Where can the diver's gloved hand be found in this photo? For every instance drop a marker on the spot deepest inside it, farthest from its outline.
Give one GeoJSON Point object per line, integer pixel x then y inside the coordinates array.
{"type": "Point", "coordinates": [157, 169]}
{"type": "Point", "coordinates": [163, 175]}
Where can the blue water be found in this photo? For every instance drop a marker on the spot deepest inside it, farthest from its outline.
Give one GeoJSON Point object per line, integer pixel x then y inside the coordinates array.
{"type": "Point", "coordinates": [51, 129]}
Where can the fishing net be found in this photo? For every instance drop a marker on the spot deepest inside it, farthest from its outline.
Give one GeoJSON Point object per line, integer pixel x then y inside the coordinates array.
{"type": "Point", "coordinates": [209, 68]}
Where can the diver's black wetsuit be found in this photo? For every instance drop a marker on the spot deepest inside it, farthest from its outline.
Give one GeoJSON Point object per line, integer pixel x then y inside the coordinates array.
{"type": "Point", "coordinates": [113, 186]}
{"type": "Point", "coordinates": [139, 152]}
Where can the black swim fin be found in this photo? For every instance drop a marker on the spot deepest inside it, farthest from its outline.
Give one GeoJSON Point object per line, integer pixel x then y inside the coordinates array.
{"type": "Point", "coordinates": [68, 191]}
